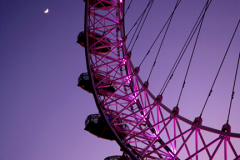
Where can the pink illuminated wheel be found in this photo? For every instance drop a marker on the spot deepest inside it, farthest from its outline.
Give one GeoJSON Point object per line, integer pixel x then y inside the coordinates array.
{"type": "Point", "coordinates": [154, 131]}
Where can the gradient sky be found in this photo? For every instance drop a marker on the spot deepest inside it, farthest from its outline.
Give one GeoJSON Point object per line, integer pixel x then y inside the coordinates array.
{"type": "Point", "coordinates": [42, 111]}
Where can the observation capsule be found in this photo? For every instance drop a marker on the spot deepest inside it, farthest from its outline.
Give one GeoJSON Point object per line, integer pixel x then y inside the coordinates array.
{"type": "Point", "coordinates": [96, 125]}
{"type": "Point", "coordinates": [116, 158]}
{"type": "Point", "coordinates": [104, 5]}
{"type": "Point", "coordinates": [97, 41]}
{"type": "Point", "coordinates": [85, 83]}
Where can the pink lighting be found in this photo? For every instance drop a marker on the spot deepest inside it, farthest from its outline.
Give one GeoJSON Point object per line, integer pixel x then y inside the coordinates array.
{"type": "Point", "coordinates": [155, 130]}
{"type": "Point", "coordinates": [171, 154]}
{"type": "Point", "coordinates": [135, 98]}
{"type": "Point", "coordinates": [124, 61]}
{"type": "Point", "coordinates": [128, 79]}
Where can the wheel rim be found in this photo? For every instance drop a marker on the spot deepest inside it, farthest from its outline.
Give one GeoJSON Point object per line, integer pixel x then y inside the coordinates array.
{"type": "Point", "coordinates": [150, 134]}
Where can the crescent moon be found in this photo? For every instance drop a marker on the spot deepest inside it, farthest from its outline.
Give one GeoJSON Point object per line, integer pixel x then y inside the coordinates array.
{"type": "Point", "coordinates": [46, 11]}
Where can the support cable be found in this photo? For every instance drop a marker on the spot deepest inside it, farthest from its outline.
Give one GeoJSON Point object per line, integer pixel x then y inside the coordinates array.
{"type": "Point", "coordinates": [159, 34]}
{"type": "Point", "coordinates": [182, 52]}
{"type": "Point", "coordinates": [142, 25]}
{"type": "Point", "coordinates": [149, 3]}
{"type": "Point", "coordinates": [136, 22]}
{"type": "Point", "coordinates": [233, 89]}
{"type": "Point", "coordinates": [140, 17]}
{"type": "Point", "coordinates": [128, 7]}
{"type": "Point", "coordinates": [160, 47]}
{"type": "Point", "coordinates": [184, 82]}
{"type": "Point", "coordinates": [219, 69]}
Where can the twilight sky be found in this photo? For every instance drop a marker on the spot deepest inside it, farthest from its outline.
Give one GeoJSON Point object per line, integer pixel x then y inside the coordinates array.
{"type": "Point", "coordinates": [42, 111]}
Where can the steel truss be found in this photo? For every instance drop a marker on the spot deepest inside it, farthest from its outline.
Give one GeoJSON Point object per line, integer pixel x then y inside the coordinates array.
{"type": "Point", "coordinates": [154, 131]}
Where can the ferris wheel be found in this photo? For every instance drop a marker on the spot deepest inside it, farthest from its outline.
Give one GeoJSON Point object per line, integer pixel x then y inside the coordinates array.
{"type": "Point", "coordinates": [143, 126]}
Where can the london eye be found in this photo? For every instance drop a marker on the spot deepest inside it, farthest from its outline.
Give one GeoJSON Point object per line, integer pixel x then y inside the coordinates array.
{"type": "Point", "coordinates": [153, 101]}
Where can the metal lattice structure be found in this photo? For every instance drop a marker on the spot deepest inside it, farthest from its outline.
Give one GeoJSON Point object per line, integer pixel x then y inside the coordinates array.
{"type": "Point", "coordinates": [154, 131]}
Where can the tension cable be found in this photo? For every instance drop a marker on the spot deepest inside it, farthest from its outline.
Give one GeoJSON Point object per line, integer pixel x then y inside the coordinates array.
{"type": "Point", "coordinates": [139, 18]}
{"type": "Point", "coordinates": [128, 7]}
{"type": "Point", "coordinates": [150, 3]}
{"type": "Point", "coordinates": [219, 69]}
{"type": "Point", "coordinates": [182, 52]}
{"type": "Point", "coordinates": [233, 89]}
{"type": "Point", "coordinates": [184, 81]}
{"type": "Point", "coordinates": [170, 17]}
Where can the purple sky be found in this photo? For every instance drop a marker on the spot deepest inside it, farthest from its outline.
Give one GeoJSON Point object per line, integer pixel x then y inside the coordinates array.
{"type": "Point", "coordinates": [42, 111]}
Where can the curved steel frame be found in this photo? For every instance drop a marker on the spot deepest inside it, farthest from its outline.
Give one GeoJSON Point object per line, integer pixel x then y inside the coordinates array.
{"type": "Point", "coordinates": [155, 131]}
